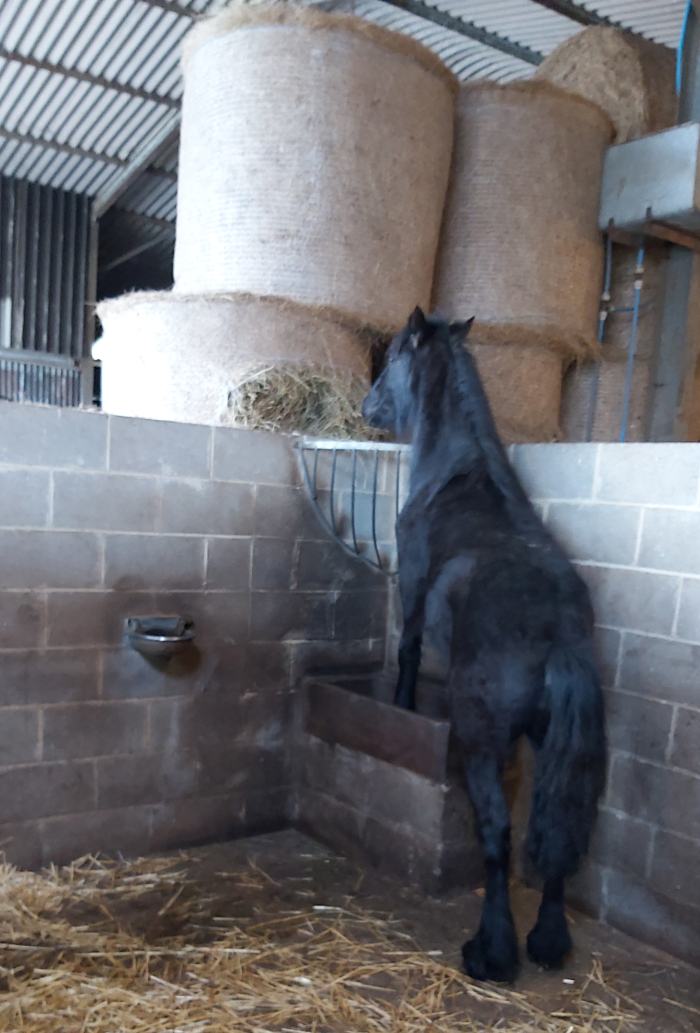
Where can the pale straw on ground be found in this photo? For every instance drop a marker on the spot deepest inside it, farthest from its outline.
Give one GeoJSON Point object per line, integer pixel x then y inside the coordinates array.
{"type": "Point", "coordinates": [321, 969]}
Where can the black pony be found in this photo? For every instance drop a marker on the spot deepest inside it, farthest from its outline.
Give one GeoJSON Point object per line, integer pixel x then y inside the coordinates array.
{"type": "Point", "coordinates": [482, 576]}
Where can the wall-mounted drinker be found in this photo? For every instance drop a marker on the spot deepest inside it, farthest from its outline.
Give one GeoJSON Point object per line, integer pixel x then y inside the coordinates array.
{"type": "Point", "coordinates": [159, 636]}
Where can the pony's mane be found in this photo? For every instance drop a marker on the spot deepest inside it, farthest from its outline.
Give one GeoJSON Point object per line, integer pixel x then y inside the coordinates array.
{"type": "Point", "coordinates": [475, 407]}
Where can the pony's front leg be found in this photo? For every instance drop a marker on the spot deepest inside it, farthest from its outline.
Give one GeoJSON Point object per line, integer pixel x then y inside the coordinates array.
{"type": "Point", "coordinates": [409, 665]}
{"type": "Point", "coordinates": [414, 562]}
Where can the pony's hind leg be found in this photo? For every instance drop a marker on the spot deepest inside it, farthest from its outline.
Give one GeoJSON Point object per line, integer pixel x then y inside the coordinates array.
{"type": "Point", "coordinates": [569, 778]}
{"type": "Point", "coordinates": [549, 941]}
{"type": "Point", "coordinates": [493, 952]}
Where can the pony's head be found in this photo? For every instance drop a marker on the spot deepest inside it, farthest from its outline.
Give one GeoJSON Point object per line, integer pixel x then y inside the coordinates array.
{"type": "Point", "coordinates": [392, 402]}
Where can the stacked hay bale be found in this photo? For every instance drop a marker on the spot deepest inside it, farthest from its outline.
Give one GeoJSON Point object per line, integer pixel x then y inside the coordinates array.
{"type": "Point", "coordinates": [520, 244]}
{"type": "Point", "coordinates": [630, 78]}
{"type": "Point", "coordinates": [314, 158]}
{"type": "Point", "coordinates": [219, 358]}
{"type": "Point", "coordinates": [603, 403]}
{"type": "Point", "coordinates": [633, 80]}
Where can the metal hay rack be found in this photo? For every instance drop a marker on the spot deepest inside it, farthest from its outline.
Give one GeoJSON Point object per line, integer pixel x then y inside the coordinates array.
{"type": "Point", "coordinates": [356, 489]}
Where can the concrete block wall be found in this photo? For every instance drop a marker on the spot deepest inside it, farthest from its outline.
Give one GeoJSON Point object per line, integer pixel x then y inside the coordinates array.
{"type": "Point", "coordinates": [102, 518]}
{"type": "Point", "coordinates": [629, 515]}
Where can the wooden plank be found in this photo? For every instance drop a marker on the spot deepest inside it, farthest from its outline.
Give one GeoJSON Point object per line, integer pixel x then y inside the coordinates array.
{"type": "Point", "coordinates": [662, 231]}
{"type": "Point", "coordinates": [399, 737]}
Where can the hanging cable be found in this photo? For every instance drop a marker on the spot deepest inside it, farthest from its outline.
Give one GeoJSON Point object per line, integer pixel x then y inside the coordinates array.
{"type": "Point", "coordinates": [679, 52]}
{"type": "Point", "coordinates": [638, 279]}
{"type": "Point", "coordinates": [602, 316]}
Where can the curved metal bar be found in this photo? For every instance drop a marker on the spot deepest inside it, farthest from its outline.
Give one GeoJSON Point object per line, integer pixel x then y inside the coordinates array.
{"type": "Point", "coordinates": [374, 511]}
{"type": "Point", "coordinates": [332, 502]}
{"type": "Point", "coordinates": [315, 491]}
{"type": "Point", "coordinates": [352, 501]}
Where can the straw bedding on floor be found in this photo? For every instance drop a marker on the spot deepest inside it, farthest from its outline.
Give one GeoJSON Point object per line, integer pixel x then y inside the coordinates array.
{"type": "Point", "coordinates": [67, 964]}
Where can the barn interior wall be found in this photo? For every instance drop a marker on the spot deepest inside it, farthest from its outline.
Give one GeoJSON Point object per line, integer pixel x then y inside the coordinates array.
{"type": "Point", "coordinates": [629, 515]}
{"type": "Point", "coordinates": [102, 518]}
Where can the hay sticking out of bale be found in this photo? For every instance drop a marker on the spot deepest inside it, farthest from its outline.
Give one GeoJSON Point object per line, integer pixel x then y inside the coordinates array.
{"type": "Point", "coordinates": [583, 109]}
{"type": "Point", "coordinates": [630, 78]}
{"type": "Point", "coordinates": [569, 346]}
{"type": "Point", "coordinates": [242, 14]}
{"type": "Point", "coordinates": [316, 969]}
{"type": "Point", "coordinates": [307, 400]}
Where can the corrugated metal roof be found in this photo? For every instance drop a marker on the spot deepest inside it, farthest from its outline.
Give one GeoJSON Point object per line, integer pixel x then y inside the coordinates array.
{"type": "Point", "coordinates": [85, 84]}
{"type": "Point", "coordinates": [659, 20]}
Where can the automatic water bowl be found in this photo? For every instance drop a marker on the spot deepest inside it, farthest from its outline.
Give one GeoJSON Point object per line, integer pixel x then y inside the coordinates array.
{"type": "Point", "coordinates": [159, 636]}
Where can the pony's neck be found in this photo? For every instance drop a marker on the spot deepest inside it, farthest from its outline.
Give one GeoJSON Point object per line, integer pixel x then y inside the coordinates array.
{"type": "Point", "coordinates": [454, 432]}
{"type": "Point", "coordinates": [444, 444]}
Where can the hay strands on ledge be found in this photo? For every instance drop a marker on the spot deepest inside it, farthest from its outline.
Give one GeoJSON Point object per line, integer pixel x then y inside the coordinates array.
{"type": "Point", "coordinates": [329, 971]}
{"type": "Point", "coordinates": [297, 398]}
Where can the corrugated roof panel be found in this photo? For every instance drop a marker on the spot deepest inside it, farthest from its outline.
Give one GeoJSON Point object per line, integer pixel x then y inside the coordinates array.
{"type": "Point", "coordinates": [127, 41]}
{"type": "Point", "coordinates": [151, 194]}
{"type": "Point", "coordinates": [520, 21]}
{"type": "Point", "coordinates": [660, 20]}
{"type": "Point", "coordinates": [137, 42]}
{"type": "Point", "coordinates": [458, 52]}
{"type": "Point", "coordinates": [169, 160]}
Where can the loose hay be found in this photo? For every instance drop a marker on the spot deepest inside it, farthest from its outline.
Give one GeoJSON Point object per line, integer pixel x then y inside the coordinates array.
{"type": "Point", "coordinates": [323, 969]}
{"type": "Point", "coordinates": [301, 399]}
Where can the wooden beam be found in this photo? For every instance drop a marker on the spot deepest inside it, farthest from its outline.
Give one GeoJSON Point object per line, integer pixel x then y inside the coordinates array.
{"type": "Point", "coordinates": [662, 231]}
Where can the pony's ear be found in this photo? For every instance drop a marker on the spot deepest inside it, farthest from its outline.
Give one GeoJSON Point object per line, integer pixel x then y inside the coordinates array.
{"type": "Point", "coordinates": [418, 328]}
{"type": "Point", "coordinates": [459, 331]}
{"type": "Point", "coordinates": [417, 323]}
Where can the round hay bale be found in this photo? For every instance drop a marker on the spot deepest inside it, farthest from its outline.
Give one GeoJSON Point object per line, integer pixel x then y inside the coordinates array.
{"type": "Point", "coordinates": [523, 386]}
{"type": "Point", "coordinates": [225, 359]}
{"type": "Point", "coordinates": [610, 397]}
{"type": "Point", "coordinates": [631, 78]}
{"type": "Point", "coordinates": [521, 248]}
{"type": "Point", "coordinates": [314, 159]}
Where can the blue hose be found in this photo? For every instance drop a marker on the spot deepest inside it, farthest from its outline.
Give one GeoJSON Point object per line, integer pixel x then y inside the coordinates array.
{"type": "Point", "coordinates": [633, 340]}
{"type": "Point", "coordinates": [604, 309]}
{"type": "Point", "coordinates": [679, 52]}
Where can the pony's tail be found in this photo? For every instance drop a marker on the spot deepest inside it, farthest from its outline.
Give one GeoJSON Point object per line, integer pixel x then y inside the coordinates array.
{"type": "Point", "coordinates": [571, 761]}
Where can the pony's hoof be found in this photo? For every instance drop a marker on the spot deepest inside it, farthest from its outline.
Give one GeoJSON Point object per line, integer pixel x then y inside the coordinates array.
{"type": "Point", "coordinates": [550, 943]}
{"type": "Point", "coordinates": [484, 959]}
